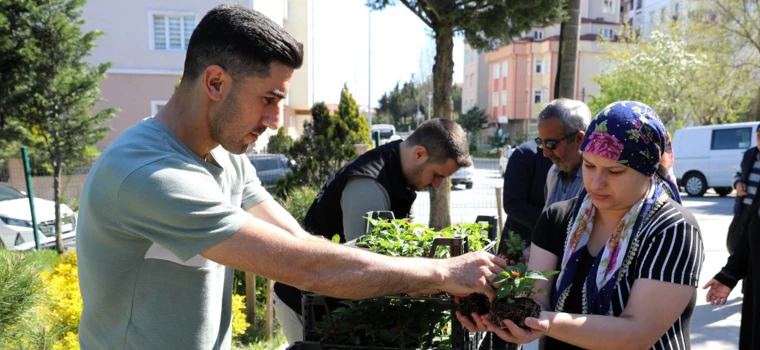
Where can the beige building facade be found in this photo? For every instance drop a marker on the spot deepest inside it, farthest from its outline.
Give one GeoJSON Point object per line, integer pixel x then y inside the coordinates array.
{"type": "Point", "coordinates": [146, 41]}
{"type": "Point", "coordinates": [522, 74]}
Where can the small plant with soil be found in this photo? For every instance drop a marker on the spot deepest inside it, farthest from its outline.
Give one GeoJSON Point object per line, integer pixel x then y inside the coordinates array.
{"type": "Point", "coordinates": [513, 295]}
{"type": "Point", "coordinates": [513, 249]}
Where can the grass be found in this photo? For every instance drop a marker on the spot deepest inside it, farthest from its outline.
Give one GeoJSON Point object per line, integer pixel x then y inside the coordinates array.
{"type": "Point", "coordinates": [278, 339]}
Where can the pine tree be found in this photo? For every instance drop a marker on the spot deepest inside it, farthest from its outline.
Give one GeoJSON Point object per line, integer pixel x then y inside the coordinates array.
{"type": "Point", "coordinates": [60, 91]}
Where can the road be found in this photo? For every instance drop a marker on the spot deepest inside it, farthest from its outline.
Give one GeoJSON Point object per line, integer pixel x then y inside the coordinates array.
{"type": "Point", "coordinates": [712, 328]}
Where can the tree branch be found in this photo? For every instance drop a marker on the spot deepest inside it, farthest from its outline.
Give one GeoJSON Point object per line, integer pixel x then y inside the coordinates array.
{"type": "Point", "coordinates": [417, 12]}
{"type": "Point", "coordinates": [430, 9]}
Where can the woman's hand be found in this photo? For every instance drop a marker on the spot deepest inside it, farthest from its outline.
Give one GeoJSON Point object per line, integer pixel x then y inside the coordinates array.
{"type": "Point", "coordinates": [718, 293]}
{"type": "Point", "coordinates": [477, 326]}
{"type": "Point", "coordinates": [537, 328]}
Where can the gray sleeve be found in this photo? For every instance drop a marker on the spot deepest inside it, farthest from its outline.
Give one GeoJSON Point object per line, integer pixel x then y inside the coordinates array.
{"type": "Point", "coordinates": [361, 195]}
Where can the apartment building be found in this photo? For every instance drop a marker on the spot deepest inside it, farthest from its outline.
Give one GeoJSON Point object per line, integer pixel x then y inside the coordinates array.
{"type": "Point", "coordinates": [474, 86]}
{"type": "Point", "coordinates": [146, 41]}
{"type": "Point", "coordinates": [522, 74]}
{"type": "Point", "coordinates": [648, 14]}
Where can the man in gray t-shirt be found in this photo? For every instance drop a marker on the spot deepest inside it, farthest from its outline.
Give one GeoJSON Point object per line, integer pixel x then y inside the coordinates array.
{"type": "Point", "coordinates": [172, 206]}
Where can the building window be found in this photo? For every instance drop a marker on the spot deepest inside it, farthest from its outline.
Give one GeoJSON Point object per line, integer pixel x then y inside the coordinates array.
{"type": "Point", "coordinates": [156, 105]}
{"type": "Point", "coordinates": [608, 6]}
{"type": "Point", "coordinates": [608, 33]}
{"type": "Point", "coordinates": [503, 98]}
{"type": "Point", "coordinates": [537, 96]}
{"type": "Point", "coordinates": [539, 67]}
{"type": "Point", "coordinates": [496, 71]}
{"type": "Point", "coordinates": [171, 31]}
{"type": "Point", "coordinates": [495, 99]}
{"type": "Point", "coordinates": [538, 35]}
{"type": "Point", "coordinates": [504, 68]}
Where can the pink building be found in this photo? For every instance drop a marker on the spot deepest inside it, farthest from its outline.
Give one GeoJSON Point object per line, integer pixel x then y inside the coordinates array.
{"type": "Point", "coordinates": [521, 75]}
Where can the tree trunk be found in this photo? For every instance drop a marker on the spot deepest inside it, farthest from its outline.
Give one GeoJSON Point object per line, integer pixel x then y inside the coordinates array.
{"type": "Point", "coordinates": [756, 109]}
{"type": "Point", "coordinates": [569, 53]}
{"type": "Point", "coordinates": [57, 199]}
{"type": "Point", "coordinates": [443, 74]}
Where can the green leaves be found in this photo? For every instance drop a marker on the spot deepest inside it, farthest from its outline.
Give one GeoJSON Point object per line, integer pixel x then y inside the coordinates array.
{"type": "Point", "coordinates": [518, 281]}
{"type": "Point", "coordinates": [502, 277]}
{"type": "Point", "coordinates": [401, 237]}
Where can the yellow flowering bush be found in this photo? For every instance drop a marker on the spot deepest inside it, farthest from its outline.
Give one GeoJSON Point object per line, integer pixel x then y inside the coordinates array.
{"type": "Point", "coordinates": [70, 342]}
{"type": "Point", "coordinates": [64, 302]}
{"type": "Point", "coordinates": [239, 323]}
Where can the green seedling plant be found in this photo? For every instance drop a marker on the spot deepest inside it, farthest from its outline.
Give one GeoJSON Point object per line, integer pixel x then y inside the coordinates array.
{"type": "Point", "coordinates": [513, 248]}
{"type": "Point", "coordinates": [515, 287]}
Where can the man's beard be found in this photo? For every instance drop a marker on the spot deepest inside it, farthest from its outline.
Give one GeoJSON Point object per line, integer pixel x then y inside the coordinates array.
{"type": "Point", "coordinates": [413, 178]}
{"type": "Point", "coordinates": [224, 121]}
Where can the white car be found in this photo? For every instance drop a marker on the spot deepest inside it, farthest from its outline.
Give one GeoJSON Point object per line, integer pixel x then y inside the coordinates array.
{"type": "Point", "coordinates": [16, 231]}
{"type": "Point", "coordinates": [464, 176]}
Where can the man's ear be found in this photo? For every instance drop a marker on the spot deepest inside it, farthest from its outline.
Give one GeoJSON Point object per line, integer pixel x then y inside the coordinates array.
{"type": "Point", "coordinates": [216, 82]}
{"type": "Point", "coordinates": [420, 154]}
{"type": "Point", "coordinates": [579, 137]}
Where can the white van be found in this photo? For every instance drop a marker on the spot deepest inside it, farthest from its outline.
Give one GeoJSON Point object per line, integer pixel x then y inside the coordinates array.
{"type": "Point", "coordinates": [709, 156]}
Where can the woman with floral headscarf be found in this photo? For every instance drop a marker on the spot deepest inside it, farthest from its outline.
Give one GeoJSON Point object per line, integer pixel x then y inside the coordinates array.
{"type": "Point", "coordinates": [629, 255]}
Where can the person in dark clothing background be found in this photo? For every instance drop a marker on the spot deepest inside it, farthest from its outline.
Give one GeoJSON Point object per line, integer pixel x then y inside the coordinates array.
{"type": "Point", "coordinates": [745, 184]}
{"type": "Point", "coordinates": [383, 179]}
{"type": "Point", "coordinates": [523, 191]}
{"type": "Point", "coordinates": [744, 248]}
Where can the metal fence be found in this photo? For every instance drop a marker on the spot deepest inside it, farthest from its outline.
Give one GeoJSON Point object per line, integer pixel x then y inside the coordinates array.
{"type": "Point", "coordinates": [481, 196]}
{"type": "Point", "coordinates": [12, 174]}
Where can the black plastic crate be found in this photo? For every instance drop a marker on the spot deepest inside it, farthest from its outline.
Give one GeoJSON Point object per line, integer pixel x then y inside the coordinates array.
{"type": "Point", "coordinates": [315, 306]}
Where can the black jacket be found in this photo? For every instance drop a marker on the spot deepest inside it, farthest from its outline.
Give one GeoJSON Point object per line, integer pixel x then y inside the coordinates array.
{"type": "Point", "coordinates": [748, 161]}
{"type": "Point", "coordinates": [382, 164]}
{"type": "Point", "coordinates": [524, 182]}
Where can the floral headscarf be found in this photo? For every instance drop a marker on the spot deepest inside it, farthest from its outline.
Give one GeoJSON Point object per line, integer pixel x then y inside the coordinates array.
{"type": "Point", "coordinates": [630, 133]}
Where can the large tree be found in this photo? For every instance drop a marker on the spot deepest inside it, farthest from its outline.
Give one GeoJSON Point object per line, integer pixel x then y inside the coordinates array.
{"type": "Point", "coordinates": [682, 76]}
{"type": "Point", "coordinates": [735, 23]}
{"type": "Point", "coordinates": [568, 55]}
{"type": "Point", "coordinates": [55, 102]}
{"type": "Point", "coordinates": [485, 25]}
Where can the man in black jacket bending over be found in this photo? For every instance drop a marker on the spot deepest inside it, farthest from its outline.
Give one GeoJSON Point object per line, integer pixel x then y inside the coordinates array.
{"type": "Point", "coordinates": [383, 179]}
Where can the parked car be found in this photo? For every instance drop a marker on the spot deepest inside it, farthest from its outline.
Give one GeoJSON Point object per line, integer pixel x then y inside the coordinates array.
{"type": "Point", "coordinates": [16, 232]}
{"type": "Point", "coordinates": [708, 156]}
{"type": "Point", "coordinates": [270, 168]}
{"type": "Point", "coordinates": [463, 176]}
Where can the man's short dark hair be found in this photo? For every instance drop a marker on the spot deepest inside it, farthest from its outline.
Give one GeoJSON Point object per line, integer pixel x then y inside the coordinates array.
{"type": "Point", "coordinates": [242, 41]}
{"type": "Point", "coordinates": [443, 139]}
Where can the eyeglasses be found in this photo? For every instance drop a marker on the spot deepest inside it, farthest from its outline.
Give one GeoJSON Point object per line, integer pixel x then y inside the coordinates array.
{"type": "Point", "coordinates": [552, 144]}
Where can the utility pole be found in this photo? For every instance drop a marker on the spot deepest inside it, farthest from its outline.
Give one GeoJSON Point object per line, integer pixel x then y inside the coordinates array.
{"type": "Point", "coordinates": [369, 68]}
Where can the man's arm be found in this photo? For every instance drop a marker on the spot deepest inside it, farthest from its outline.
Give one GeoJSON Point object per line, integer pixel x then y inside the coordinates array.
{"type": "Point", "coordinates": [345, 272]}
{"type": "Point", "coordinates": [517, 189]}
{"type": "Point", "coordinates": [361, 195]}
{"type": "Point", "coordinates": [273, 213]}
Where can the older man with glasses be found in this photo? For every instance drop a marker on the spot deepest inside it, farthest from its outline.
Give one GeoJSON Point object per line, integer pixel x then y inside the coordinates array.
{"type": "Point", "coordinates": [561, 128]}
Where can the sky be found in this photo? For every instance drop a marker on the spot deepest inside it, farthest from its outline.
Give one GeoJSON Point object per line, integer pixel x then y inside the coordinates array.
{"type": "Point", "coordinates": [398, 39]}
